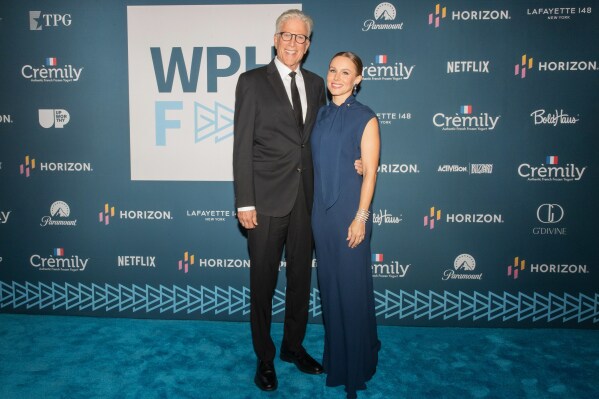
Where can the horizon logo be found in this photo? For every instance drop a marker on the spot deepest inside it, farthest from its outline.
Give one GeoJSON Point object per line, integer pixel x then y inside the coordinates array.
{"type": "Point", "coordinates": [440, 13]}
{"type": "Point", "coordinates": [53, 118]}
{"type": "Point", "coordinates": [525, 64]}
{"type": "Point", "coordinates": [429, 220]}
{"type": "Point", "coordinates": [37, 20]}
{"type": "Point", "coordinates": [27, 166]}
{"type": "Point", "coordinates": [515, 269]}
{"type": "Point", "coordinates": [5, 118]}
{"type": "Point", "coordinates": [187, 261]}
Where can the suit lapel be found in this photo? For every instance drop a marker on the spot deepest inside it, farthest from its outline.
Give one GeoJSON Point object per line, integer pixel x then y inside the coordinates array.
{"type": "Point", "coordinates": [277, 84]}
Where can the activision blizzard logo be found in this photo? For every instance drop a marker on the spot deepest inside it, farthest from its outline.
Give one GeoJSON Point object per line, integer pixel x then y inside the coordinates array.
{"type": "Point", "coordinates": [136, 261]}
{"type": "Point", "coordinates": [109, 213]}
{"type": "Point", "coordinates": [59, 212]}
{"type": "Point", "coordinates": [549, 214]}
{"type": "Point", "coordinates": [211, 215]}
{"type": "Point", "coordinates": [4, 216]}
{"type": "Point", "coordinates": [468, 66]}
{"type": "Point", "coordinates": [559, 13]}
{"type": "Point", "coordinates": [57, 262]}
{"type": "Point", "coordinates": [553, 172]}
{"type": "Point", "coordinates": [471, 168]}
{"type": "Point", "coordinates": [542, 117]}
{"type": "Point", "coordinates": [30, 164]}
{"type": "Point", "coordinates": [48, 72]}
{"type": "Point", "coordinates": [380, 70]}
{"type": "Point", "coordinates": [462, 266]}
{"type": "Point", "coordinates": [53, 118]}
{"type": "Point", "coordinates": [38, 21]}
{"type": "Point", "coordinates": [390, 269]}
{"type": "Point", "coordinates": [385, 217]}
{"type": "Point", "coordinates": [384, 14]}
{"type": "Point", "coordinates": [465, 121]}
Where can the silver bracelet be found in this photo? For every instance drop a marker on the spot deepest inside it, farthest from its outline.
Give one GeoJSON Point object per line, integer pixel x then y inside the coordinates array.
{"type": "Point", "coordinates": [362, 215]}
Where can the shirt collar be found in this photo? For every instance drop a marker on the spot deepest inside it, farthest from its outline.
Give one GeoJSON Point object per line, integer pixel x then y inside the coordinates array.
{"type": "Point", "coordinates": [284, 70]}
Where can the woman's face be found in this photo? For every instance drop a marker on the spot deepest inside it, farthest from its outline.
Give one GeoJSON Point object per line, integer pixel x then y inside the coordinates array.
{"type": "Point", "coordinates": [342, 77]}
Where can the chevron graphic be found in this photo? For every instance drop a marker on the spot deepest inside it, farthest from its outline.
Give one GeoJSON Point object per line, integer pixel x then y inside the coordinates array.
{"type": "Point", "coordinates": [502, 306]}
{"type": "Point", "coordinates": [216, 121]}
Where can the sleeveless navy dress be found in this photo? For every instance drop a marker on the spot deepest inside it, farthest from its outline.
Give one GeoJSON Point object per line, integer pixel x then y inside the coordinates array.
{"type": "Point", "coordinates": [344, 274]}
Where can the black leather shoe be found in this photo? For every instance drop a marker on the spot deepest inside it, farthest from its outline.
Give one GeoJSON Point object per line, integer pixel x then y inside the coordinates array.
{"type": "Point", "coordinates": [304, 362]}
{"type": "Point", "coordinates": [266, 377]}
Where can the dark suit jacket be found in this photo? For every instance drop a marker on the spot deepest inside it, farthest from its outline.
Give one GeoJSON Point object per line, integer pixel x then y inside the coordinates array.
{"type": "Point", "coordinates": [270, 153]}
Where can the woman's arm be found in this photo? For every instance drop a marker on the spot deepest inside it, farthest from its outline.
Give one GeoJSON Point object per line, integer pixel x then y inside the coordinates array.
{"type": "Point", "coordinates": [370, 149]}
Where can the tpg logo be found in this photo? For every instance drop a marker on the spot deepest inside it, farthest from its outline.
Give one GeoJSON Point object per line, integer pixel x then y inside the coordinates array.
{"type": "Point", "coordinates": [209, 119]}
{"type": "Point", "coordinates": [38, 21]}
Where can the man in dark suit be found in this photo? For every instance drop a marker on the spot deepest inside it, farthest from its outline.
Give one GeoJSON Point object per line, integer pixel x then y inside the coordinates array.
{"type": "Point", "coordinates": [275, 109]}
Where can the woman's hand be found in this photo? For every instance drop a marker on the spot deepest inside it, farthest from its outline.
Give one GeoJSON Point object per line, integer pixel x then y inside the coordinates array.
{"type": "Point", "coordinates": [355, 233]}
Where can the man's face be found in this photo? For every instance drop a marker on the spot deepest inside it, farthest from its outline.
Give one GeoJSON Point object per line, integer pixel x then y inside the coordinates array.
{"type": "Point", "coordinates": [290, 52]}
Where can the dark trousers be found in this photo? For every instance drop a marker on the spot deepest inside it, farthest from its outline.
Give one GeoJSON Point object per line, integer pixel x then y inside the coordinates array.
{"type": "Point", "coordinates": [266, 243]}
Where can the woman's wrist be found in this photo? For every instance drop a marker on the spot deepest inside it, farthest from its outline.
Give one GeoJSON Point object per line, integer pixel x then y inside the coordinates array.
{"type": "Point", "coordinates": [362, 215]}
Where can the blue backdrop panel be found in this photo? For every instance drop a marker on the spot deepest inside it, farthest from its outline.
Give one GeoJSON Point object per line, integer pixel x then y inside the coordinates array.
{"type": "Point", "coordinates": [487, 183]}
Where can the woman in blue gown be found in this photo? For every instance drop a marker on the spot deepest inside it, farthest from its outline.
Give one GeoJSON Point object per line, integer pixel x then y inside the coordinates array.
{"type": "Point", "coordinates": [344, 131]}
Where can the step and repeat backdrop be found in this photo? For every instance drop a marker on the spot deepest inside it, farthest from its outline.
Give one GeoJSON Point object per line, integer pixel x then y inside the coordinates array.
{"type": "Point", "coordinates": [116, 133]}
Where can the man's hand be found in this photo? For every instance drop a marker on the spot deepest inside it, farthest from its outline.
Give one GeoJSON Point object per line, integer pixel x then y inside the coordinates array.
{"type": "Point", "coordinates": [359, 167]}
{"type": "Point", "coordinates": [248, 219]}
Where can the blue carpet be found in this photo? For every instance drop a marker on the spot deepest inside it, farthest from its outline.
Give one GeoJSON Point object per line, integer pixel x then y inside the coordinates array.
{"type": "Point", "coordinates": [78, 357]}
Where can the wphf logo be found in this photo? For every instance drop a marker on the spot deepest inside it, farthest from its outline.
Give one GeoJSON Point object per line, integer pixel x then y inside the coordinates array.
{"type": "Point", "coordinates": [382, 70]}
{"type": "Point", "coordinates": [388, 269]}
{"type": "Point", "coordinates": [53, 118]}
{"type": "Point", "coordinates": [465, 121]}
{"type": "Point", "coordinates": [516, 268]}
{"type": "Point", "coordinates": [30, 164]}
{"type": "Point", "coordinates": [463, 266]}
{"type": "Point", "coordinates": [440, 12]}
{"type": "Point", "coordinates": [551, 171]}
{"type": "Point", "coordinates": [182, 91]}
{"type": "Point", "coordinates": [39, 20]}
{"type": "Point", "coordinates": [527, 64]}
{"type": "Point", "coordinates": [57, 261]}
{"type": "Point", "coordinates": [59, 215]}
{"type": "Point", "coordinates": [384, 19]}
{"type": "Point", "coordinates": [49, 72]}
{"type": "Point", "coordinates": [187, 261]}
{"type": "Point", "coordinates": [108, 213]}
{"type": "Point", "coordinates": [433, 217]}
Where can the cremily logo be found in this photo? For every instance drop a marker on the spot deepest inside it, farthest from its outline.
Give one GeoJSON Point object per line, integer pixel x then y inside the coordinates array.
{"type": "Point", "coordinates": [383, 13]}
{"type": "Point", "coordinates": [27, 166]}
{"type": "Point", "coordinates": [429, 220]}
{"type": "Point", "coordinates": [440, 12]}
{"type": "Point", "coordinates": [514, 270]}
{"type": "Point", "coordinates": [50, 73]}
{"type": "Point", "coordinates": [383, 72]}
{"type": "Point", "coordinates": [465, 121]}
{"type": "Point", "coordinates": [4, 216]}
{"type": "Point", "coordinates": [524, 65]}
{"type": "Point", "coordinates": [57, 262]}
{"type": "Point", "coordinates": [186, 261]}
{"type": "Point", "coordinates": [567, 173]}
{"type": "Point", "coordinates": [53, 117]}
{"type": "Point", "coordinates": [392, 269]}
